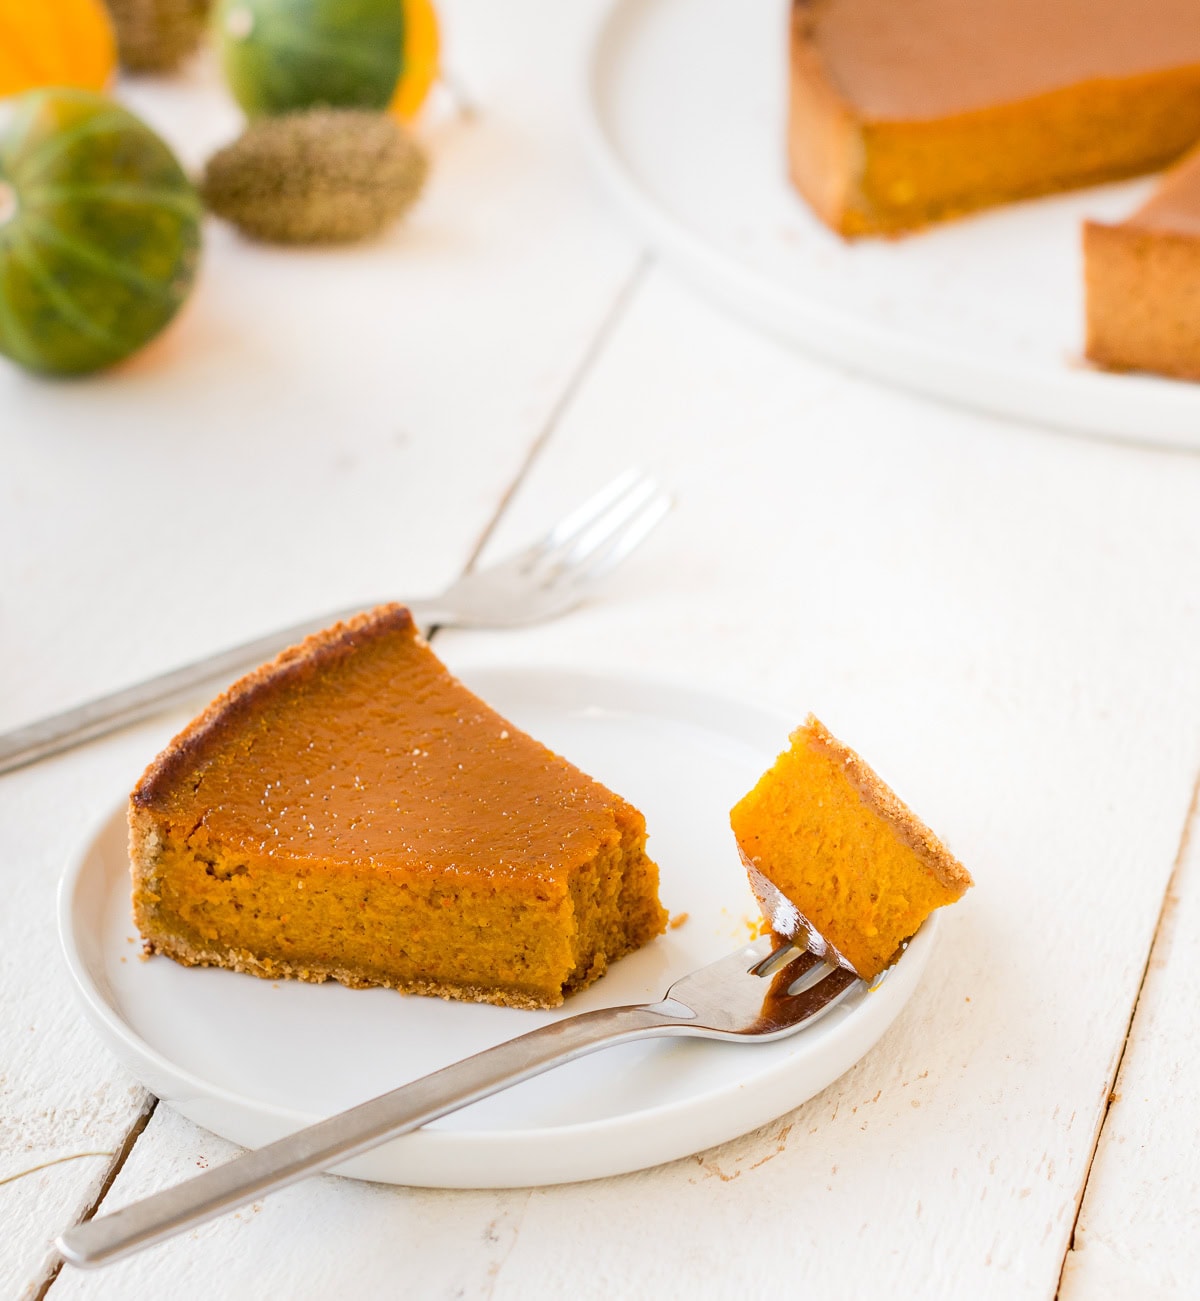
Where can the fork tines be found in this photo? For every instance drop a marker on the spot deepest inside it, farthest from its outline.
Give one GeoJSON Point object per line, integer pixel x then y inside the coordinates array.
{"type": "Point", "coordinates": [603, 530]}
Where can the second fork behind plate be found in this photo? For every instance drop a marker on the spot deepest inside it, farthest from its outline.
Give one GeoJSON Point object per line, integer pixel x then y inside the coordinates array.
{"type": "Point", "coordinates": [545, 579]}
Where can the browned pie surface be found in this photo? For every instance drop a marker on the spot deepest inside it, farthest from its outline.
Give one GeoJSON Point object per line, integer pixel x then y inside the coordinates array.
{"type": "Point", "coordinates": [912, 59]}
{"type": "Point", "coordinates": [353, 811]}
{"type": "Point", "coordinates": [369, 749]}
{"type": "Point", "coordinates": [1175, 205]}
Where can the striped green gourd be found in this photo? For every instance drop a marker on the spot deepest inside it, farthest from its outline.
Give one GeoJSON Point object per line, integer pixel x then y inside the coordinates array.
{"type": "Point", "coordinates": [284, 55]}
{"type": "Point", "coordinates": [99, 232]}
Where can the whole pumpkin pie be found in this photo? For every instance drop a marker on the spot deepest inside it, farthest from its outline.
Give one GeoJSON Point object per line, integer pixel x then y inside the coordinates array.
{"type": "Point", "coordinates": [352, 812]}
{"type": "Point", "coordinates": [1142, 280]}
{"type": "Point", "coordinates": [904, 113]}
{"type": "Point", "coordinates": [821, 829]}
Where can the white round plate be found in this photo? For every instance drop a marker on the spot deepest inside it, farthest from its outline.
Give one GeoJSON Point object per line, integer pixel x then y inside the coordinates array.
{"type": "Point", "coordinates": [685, 114]}
{"type": "Point", "coordinates": [253, 1060]}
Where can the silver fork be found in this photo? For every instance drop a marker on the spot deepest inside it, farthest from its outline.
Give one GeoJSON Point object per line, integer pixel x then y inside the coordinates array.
{"type": "Point", "coordinates": [764, 991]}
{"type": "Point", "coordinates": [545, 579]}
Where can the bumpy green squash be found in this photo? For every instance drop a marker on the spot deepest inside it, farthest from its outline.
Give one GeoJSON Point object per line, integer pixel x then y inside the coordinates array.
{"type": "Point", "coordinates": [99, 232]}
{"type": "Point", "coordinates": [283, 55]}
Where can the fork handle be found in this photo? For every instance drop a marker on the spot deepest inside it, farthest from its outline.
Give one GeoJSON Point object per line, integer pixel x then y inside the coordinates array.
{"type": "Point", "coordinates": [352, 1132]}
{"type": "Point", "coordinates": [108, 713]}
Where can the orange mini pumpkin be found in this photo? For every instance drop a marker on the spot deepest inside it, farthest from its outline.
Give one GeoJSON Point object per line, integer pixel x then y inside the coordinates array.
{"type": "Point", "coordinates": [55, 43]}
{"type": "Point", "coordinates": [419, 60]}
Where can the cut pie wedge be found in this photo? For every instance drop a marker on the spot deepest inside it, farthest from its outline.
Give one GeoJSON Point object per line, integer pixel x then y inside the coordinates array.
{"type": "Point", "coordinates": [352, 812]}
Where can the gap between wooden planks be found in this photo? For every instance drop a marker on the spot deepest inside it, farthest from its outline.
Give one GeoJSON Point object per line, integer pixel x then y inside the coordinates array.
{"type": "Point", "coordinates": [1168, 896]}
{"type": "Point", "coordinates": [119, 1158]}
{"type": "Point", "coordinates": [617, 312]}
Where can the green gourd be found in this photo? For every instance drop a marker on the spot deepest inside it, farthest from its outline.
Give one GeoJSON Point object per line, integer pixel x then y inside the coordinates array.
{"type": "Point", "coordinates": [283, 55]}
{"type": "Point", "coordinates": [99, 232]}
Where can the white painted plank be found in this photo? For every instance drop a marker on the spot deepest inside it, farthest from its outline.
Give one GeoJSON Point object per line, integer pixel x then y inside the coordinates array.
{"type": "Point", "coordinates": [360, 1240]}
{"type": "Point", "coordinates": [320, 428]}
{"type": "Point", "coordinates": [1139, 1226]}
{"type": "Point", "coordinates": [995, 618]}
{"type": "Point", "coordinates": [61, 1094]}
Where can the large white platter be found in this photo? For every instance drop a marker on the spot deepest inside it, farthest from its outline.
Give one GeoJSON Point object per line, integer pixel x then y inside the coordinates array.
{"type": "Point", "coordinates": [253, 1060]}
{"type": "Point", "coordinates": [684, 113]}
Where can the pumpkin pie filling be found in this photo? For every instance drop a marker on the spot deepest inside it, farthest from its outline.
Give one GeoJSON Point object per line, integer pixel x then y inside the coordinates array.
{"type": "Point", "coordinates": [352, 812]}
{"type": "Point", "coordinates": [822, 829]}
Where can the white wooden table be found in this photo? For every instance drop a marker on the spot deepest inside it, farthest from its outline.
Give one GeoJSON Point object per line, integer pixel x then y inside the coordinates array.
{"type": "Point", "coordinates": [1004, 620]}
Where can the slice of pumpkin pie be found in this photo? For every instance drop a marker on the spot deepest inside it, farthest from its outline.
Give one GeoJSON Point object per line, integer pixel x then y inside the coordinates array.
{"type": "Point", "coordinates": [824, 832]}
{"type": "Point", "coordinates": [352, 812]}
{"type": "Point", "coordinates": [1143, 281]}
